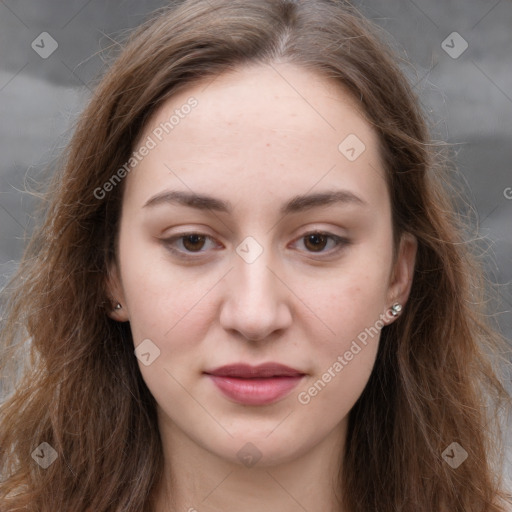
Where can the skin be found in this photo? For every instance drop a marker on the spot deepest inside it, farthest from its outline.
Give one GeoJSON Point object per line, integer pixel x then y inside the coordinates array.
{"type": "Point", "coordinates": [258, 137]}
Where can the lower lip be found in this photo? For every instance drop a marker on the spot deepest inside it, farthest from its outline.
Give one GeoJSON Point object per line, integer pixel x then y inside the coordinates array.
{"type": "Point", "coordinates": [255, 391]}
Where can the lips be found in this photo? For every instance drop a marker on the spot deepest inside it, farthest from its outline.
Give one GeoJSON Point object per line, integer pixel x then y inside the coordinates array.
{"type": "Point", "coordinates": [245, 371]}
{"type": "Point", "coordinates": [255, 385]}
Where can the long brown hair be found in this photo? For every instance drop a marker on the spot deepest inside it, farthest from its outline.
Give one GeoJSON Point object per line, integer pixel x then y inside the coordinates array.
{"type": "Point", "coordinates": [80, 389]}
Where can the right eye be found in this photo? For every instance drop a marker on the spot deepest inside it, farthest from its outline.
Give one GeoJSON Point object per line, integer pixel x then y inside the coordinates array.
{"type": "Point", "coordinates": [190, 243]}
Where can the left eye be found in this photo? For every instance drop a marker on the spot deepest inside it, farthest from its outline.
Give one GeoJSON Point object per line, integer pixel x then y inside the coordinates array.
{"type": "Point", "coordinates": [316, 241]}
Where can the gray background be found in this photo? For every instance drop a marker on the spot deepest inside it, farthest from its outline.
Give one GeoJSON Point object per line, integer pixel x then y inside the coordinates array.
{"type": "Point", "coordinates": [469, 99]}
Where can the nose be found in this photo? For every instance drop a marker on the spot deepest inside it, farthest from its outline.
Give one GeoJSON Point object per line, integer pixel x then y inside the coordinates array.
{"type": "Point", "coordinates": [257, 301]}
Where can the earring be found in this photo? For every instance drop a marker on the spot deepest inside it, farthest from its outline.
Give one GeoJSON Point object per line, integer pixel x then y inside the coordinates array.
{"type": "Point", "coordinates": [118, 306]}
{"type": "Point", "coordinates": [395, 309]}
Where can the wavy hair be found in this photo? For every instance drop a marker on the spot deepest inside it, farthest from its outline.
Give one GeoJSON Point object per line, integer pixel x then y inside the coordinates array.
{"type": "Point", "coordinates": [69, 374]}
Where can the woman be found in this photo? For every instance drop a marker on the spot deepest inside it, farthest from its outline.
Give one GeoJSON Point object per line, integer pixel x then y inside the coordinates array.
{"type": "Point", "coordinates": [249, 290]}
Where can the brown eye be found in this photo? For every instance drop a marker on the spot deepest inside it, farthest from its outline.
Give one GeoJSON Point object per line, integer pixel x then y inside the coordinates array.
{"type": "Point", "coordinates": [316, 241]}
{"type": "Point", "coordinates": [322, 243]}
{"type": "Point", "coordinates": [189, 244]}
{"type": "Point", "coordinates": [193, 242]}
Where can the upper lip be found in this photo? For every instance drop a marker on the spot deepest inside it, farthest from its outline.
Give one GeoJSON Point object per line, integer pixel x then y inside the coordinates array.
{"type": "Point", "coordinates": [247, 371]}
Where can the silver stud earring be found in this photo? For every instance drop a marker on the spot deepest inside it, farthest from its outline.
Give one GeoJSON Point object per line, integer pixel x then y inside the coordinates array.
{"type": "Point", "coordinates": [395, 309]}
{"type": "Point", "coordinates": [118, 306]}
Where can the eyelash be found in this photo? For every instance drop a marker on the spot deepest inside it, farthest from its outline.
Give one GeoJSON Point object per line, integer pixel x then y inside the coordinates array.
{"type": "Point", "coordinates": [340, 243]}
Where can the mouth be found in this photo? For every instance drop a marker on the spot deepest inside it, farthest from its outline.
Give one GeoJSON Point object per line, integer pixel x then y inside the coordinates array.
{"type": "Point", "coordinates": [255, 385]}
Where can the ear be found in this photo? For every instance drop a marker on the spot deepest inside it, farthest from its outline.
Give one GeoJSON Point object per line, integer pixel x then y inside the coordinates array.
{"type": "Point", "coordinates": [115, 293]}
{"type": "Point", "coordinates": [403, 271]}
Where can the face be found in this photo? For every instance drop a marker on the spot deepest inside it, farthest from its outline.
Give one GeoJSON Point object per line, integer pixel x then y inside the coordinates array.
{"type": "Point", "coordinates": [289, 259]}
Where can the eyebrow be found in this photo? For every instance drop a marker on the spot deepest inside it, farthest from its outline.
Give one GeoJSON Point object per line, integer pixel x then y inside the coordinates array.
{"type": "Point", "coordinates": [294, 205]}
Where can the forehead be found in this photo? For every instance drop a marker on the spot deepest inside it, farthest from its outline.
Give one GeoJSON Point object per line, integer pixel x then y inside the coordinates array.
{"type": "Point", "coordinates": [263, 129]}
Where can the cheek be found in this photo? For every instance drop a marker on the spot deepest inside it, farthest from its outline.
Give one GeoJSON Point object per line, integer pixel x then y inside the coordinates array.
{"type": "Point", "coordinates": [349, 308]}
{"type": "Point", "coordinates": [350, 323]}
{"type": "Point", "coordinates": [175, 315]}
{"type": "Point", "coordinates": [344, 355]}
{"type": "Point", "coordinates": [352, 299]}
{"type": "Point", "coordinates": [162, 299]}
